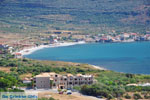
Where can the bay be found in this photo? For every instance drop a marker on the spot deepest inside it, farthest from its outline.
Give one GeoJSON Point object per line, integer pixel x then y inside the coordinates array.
{"type": "Point", "coordinates": [121, 57]}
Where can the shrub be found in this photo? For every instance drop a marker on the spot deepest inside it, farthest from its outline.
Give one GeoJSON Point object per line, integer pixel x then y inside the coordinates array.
{"type": "Point", "coordinates": [13, 69]}
{"type": "Point", "coordinates": [137, 96]}
{"type": "Point", "coordinates": [146, 97]}
{"type": "Point", "coordinates": [127, 96]}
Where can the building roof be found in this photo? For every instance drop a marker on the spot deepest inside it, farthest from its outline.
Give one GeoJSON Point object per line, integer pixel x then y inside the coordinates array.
{"type": "Point", "coordinates": [45, 74]}
{"type": "Point", "coordinates": [18, 54]}
{"type": "Point", "coordinates": [86, 75]}
{"type": "Point", "coordinates": [79, 74]}
{"type": "Point", "coordinates": [41, 76]}
{"type": "Point", "coordinates": [52, 74]}
{"type": "Point", "coordinates": [69, 75]}
{"type": "Point", "coordinates": [26, 79]}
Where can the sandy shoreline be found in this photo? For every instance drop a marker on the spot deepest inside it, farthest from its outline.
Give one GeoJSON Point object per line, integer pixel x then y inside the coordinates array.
{"type": "Point", "coordinates": [28, 51]}
{"type": "Point", "coordinates": [98, 67]}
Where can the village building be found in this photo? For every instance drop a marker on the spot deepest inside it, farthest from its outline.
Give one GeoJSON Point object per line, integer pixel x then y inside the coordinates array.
{"type": "Point", "coordinates": [56, 81]}
{"type": "Point", "coordinates": [26, 80]}
{"type": "Point", "coordinates": [18, 55]}
{"type": "Point", "coordinates": [4, 49]}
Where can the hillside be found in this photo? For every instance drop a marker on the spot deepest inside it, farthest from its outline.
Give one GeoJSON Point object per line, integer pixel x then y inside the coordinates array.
{"type": "Point", "coordinates": [109, 84]}
{"type": "Point", "coordinates": [86, 16]}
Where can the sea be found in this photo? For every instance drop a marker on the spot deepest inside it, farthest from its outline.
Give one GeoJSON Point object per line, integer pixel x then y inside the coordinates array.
{"type": "Point", "coordinates": [120, 57]}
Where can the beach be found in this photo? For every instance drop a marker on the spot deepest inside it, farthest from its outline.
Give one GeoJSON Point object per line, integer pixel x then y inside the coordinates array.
{"type": "Point", "coordinates": [120, 57]}
{"type": "Point", "coordinates": [28, 51]}
{"type": "Point", "coordinates": [98, 67]}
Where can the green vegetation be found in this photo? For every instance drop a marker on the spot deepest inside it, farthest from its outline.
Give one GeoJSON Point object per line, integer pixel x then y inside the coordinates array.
{"type": "Point", "coordinates": [103, 90]}
{"type": "Point", "coordinates": [137, 96]}
{"type": "Point", "coordinates": [109, 84]}
{"type": "Point", "coordinates": [86, 16]}
{"type": "Point", "coordinates": [23, 66]}
{"type": "Point", "coordinates": [47, 98]}
{"type": "Point", "coordinates": [113, 85]}
{"type": "Point", "coordinates": [37, 69]}
{"type": "Point", "coordinates": [127, 96]}
{"type": "Point", "coordinates": [7, 81]}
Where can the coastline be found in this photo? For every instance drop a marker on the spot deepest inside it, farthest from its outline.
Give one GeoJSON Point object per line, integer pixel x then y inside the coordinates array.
{"type": "Point", "coordinates": [98, 67]}
{"type": "Point", "coordinates": [28, 51]}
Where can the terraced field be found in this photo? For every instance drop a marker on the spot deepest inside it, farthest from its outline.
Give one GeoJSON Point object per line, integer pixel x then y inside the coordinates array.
{"type": "Point", "coordinates": [86, 16]}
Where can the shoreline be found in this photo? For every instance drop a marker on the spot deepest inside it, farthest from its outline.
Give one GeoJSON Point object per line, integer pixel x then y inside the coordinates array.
{"type": "Point", "coordinates": [98, 67]}
{"type": "Point", "coordinates": [28, 51]}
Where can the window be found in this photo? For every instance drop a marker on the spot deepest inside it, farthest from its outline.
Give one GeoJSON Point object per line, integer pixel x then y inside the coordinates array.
{"type": "Point", "coordinates": [70, 78]}
{"type": "Point", "coordinates": [76, 83]}
{"type": "Point", "coordinates": [54, 84]}
{"type": "Point", "coordinates": [70, 82]}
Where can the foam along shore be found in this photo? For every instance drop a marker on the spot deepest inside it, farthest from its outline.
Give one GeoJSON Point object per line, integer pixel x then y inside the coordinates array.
{"type": "Point", "coordinates": [28, 51]}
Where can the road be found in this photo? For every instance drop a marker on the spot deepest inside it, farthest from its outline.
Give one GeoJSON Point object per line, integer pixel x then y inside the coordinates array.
{"type": "Point", "coordinates": [54, 93]}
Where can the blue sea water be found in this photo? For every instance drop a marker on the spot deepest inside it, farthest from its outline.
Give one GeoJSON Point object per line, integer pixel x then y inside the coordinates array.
{"type": "Point", "coordinates": [120, 57]}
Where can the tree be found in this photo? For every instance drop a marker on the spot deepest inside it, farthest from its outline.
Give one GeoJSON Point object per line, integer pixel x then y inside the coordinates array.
{"type": "Point", "coordinates": [137, 96]}
{"type": "Point", "coordinates": [51, 84]}
{"type": "Point", "coordinates": [127, 96]}
{"type": "Point", "coordinates": [13, 69]}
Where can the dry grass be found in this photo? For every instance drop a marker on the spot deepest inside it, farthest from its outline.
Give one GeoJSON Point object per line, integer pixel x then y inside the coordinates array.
{"type": "Point", "coordinates": [5, 69]}
{"type": "Point", "coordinates": [66, 64]}
{"type": "Point", "coordinates": [65, 97]}
{"type": "Point", "coordinates": [28, 75]}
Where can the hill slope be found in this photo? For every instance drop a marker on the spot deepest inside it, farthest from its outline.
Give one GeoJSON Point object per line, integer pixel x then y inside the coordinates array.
{"type": "Point", "coordinates": [87, 16]}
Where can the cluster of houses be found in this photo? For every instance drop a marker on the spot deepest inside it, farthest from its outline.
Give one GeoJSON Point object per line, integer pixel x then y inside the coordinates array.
{"type": "Point", "coordinates": [5, 48]}
{"type": "Point", "coordinates": [111, 37]}
{"type": "Point", "coordinates": [124, 37]}
{"type": "Point", "coordinates": [57, 81]}
{"type": "Point", "coordinates": [61, 36]}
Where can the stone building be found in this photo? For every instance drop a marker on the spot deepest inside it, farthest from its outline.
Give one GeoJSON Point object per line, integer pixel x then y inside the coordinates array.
{"type": "Point", "coordinates": [56, 81]}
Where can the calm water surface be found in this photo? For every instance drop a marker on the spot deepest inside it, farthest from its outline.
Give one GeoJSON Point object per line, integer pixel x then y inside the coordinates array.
{"type": "Point", "coordinates": [121, 57]}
